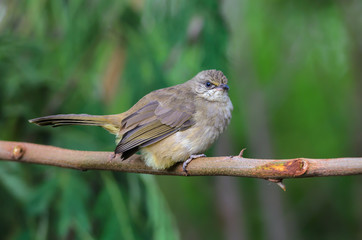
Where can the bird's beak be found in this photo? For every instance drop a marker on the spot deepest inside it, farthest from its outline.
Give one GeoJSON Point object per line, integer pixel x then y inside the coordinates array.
{"type": "Point", "coordinates": [223, 87]}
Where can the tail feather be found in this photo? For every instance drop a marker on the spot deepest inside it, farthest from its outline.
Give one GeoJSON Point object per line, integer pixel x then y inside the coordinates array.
{"type": "Point", "coordinates": [109, 122]}
{"type": "Point", "coordinates": [69, 119]}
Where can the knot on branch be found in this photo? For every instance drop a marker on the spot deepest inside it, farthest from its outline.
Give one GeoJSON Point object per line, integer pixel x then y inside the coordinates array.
{"type": "Point", "coordinates": [284, 169]}
{"type": "Point", "coordinates": [18, 152]}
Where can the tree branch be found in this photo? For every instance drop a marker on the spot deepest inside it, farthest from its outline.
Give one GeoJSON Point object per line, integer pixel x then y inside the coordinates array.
{"type": "Point", "coordinates": [273, 170]}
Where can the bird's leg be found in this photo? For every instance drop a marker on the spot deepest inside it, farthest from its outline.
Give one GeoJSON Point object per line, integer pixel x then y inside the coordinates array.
{"type": "Point", "coordinates": [192, 157]}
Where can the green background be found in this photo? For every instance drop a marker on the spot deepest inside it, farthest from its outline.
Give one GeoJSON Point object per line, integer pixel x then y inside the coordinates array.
{"type": "Point", "coordinates": [294, 70]}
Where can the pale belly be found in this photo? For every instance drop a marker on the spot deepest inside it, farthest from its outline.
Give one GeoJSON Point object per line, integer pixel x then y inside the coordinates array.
{"type": "Point", "coordinates": [178, 147]}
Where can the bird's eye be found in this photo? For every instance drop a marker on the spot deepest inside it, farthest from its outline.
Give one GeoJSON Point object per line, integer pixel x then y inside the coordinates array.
{"type": "Point", "coordinates": [208, 84]}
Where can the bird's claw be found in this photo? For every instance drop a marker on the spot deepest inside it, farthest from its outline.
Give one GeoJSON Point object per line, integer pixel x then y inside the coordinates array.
{"type": "Point", "coordinates": [112, 156]}
{"type": "Point", "coordinates": [192, 157]}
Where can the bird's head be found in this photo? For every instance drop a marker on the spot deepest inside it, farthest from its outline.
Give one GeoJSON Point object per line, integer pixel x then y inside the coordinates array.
{"type": "Point", "coordinates": [211, 85]}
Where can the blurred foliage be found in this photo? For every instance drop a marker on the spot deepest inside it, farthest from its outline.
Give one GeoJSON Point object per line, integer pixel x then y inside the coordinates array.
{"type": "Point", "coordinates": [294, 72]}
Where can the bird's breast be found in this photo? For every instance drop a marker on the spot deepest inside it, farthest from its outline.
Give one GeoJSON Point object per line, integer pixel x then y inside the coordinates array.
{"type": "Point", "coordinates": [211, 120]}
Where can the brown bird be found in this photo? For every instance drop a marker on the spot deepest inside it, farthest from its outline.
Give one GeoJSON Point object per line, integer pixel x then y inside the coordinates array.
{"type": "Point", "coordinates": [170, 125]}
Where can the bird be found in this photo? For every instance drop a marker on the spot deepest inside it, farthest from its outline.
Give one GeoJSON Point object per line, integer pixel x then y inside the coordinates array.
{"type": "Point", "coordinates": [167, 126]}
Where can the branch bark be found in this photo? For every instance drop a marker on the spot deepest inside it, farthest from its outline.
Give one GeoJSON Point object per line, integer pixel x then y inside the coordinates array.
{"type": "Point", "coordinates": [269, 169]}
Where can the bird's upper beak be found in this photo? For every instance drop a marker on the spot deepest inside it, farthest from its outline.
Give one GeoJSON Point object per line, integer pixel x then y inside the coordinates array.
{"type": "Point", "coordinates": [223, 87]}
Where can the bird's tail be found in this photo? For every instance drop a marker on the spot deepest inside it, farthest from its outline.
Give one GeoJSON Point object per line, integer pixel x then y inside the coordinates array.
{"type": "Point", "coordinates": [111, 123]}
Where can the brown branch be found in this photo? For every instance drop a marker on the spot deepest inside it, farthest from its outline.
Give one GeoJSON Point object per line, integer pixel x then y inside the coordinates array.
{"type": "Point", "coordinates": [273, 170]}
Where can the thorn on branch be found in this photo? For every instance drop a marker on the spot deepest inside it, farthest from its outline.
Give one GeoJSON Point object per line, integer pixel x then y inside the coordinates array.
{"type": "Point", "coordinates": [241, 153]}
{"type": "Point", "coordinates": [279, 182]}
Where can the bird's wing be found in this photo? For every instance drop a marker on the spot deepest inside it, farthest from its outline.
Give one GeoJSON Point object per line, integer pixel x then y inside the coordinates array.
{"type": "Point", "coordinates": [151, 124]}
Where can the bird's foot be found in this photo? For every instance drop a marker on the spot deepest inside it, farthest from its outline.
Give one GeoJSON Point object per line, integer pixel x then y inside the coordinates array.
{"type": "Point", "coordinates": [113, 156]}
{"type": "Point", "coordinates": [192, 157]}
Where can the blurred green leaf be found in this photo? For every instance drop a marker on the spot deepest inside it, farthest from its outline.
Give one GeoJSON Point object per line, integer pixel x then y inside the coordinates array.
{"type": "Point", "coordinates": [118, 206]}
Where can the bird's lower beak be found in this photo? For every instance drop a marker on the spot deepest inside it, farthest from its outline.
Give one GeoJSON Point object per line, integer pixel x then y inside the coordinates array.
{"type": "Point", "coordinates": [223, 87]}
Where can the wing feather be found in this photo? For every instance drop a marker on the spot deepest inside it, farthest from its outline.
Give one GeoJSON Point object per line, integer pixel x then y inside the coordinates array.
{"type": "Point", "coordinates": [151, 124]}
